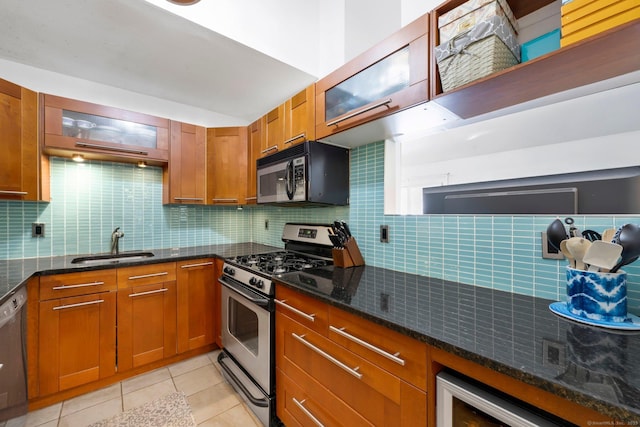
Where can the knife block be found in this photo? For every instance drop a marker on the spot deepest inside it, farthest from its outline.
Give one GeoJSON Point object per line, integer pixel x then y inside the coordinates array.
{"type": "Point", "coordinates": [349, 255]}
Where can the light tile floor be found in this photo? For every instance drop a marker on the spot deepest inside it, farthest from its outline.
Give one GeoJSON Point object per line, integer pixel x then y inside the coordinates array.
{"type": "Point", "coordinates": [213, 402]}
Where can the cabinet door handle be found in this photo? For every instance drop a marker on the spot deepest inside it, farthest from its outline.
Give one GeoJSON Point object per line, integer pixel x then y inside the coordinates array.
{"type": "Point", "coordinates": [330, 358]}
{"type": "Point", "coordinates": [225, 200]}
{"type": "Point", "coordinates": [144, 276]}
{"type": "Point", "coordinates": [80, 285]}
{"type": "Point", "coordinates": [139, 294]}
{"type": "Point", "coordinates": [386, 103]}
{"type": "Point", "coordinates": [80, 304]}
{"type": "Point", "coordinates": [290, 140]}
{"type": "Point", "coordinates": [13, 193]}
{"type": "Point", "coordinates": [118, 149]}
{"type": "Point", "coordinates": [393, 357]}
{"type": "Point", "coordinates": [266, 150]}
{"type": "Point", "coordinates": [190, 199]}
{"type": "Point", "coordinates": [251, 198]}
{"type": "Point", "coordinates": [308, 413]}
{"type": "Point", "coordinates": [202, 264]}
{"type": "Point", "coordinates": [309, 317]}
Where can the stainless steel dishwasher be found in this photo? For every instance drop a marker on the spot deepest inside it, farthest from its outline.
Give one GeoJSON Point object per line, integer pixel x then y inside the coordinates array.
{"type": "Point", "coordinates": [13, 355]}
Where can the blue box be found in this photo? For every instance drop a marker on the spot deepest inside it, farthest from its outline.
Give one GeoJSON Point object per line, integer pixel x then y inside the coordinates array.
{"type": "Point", "coordinates": [540, 45]}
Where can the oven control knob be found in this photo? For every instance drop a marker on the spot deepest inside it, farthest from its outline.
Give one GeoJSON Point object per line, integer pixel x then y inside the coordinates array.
{"type": "Point", "coordinates": [230, 271]}
{"type": "Point", "coordinates": [256, 282]}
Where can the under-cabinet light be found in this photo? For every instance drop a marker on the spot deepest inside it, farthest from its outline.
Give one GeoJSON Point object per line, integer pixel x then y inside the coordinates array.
{"type": "Point", "coordinates": [77, 158]}
{"type": "Point", "coordinates": [142, 164]}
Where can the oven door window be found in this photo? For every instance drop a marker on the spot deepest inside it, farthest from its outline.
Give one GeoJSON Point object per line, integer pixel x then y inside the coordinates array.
{"type": "Point", "coordinates": [244, 325]}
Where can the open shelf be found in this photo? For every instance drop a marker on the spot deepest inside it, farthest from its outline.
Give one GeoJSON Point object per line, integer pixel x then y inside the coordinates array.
{"type": "Point", "coordinates": [610, 54]}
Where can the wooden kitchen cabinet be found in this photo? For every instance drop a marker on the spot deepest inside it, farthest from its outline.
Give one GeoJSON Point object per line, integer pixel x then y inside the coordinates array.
{"type": "Point", "coordinates": [334, 375]}
{"type": "Point", "coordinates": [273, 140]}
{"type": "Point", "coordinates": [290, 123]}
{"type": "Point", "coordinates": [76, 332]}
{"type": "Point", "coordinates": [103, 133]}
{"type": "Point", "coordinates": [147, 318]}
{"type": "Point", "coordinates": [20, 163]}
{"type": "Point", "coordinates": [197, 312]}
{"type": "Point", "coordinates": [255, 136]}
{"type": "Point", "coordinates": [353, 94]}
{"type": "Point", "coordinates": [227, 158]}
{"type": "Point", "coordinates": [187, 170]}
{"type": "Point", "coordinates": [300, 115]}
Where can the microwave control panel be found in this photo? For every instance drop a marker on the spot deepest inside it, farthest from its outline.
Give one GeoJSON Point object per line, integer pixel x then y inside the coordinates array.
{"type": "Point", "coordinates": [299, 178]}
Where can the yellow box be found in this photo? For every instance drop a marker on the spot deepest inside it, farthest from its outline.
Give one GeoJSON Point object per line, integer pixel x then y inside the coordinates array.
{"type": "Point", "coordinates": [584, 18]}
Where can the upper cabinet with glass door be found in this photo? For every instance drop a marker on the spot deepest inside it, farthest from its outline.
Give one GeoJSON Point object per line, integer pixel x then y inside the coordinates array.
{"type": "Point", "coordinates": [385, 79]}
{"type": "Point", "coordinates": [100, 132]}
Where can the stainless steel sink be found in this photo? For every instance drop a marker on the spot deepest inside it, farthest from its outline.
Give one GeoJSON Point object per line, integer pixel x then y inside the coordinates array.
{"type": "Point", "coordinates": [112, 258]}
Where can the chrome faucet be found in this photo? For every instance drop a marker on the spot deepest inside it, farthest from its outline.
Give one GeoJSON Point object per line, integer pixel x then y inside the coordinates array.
{"type": "Point", "coordinates": [115, 240]}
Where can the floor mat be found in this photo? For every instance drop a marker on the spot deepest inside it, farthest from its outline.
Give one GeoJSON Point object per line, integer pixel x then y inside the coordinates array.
{"type": "Point", "coordinates": [169, 411]}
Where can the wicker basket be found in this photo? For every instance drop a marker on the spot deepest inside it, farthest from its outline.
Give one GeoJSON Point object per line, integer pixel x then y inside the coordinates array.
{"type": "Point", "coordinates": [477, 60]}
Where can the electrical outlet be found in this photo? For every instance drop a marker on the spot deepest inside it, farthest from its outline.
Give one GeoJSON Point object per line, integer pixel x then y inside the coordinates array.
{"type": "Point", "coordinates": [266, 224]}
{"type": "Point", "coordinates": [37, 229]}
{"type": "Point", "coordinates": [384, 233]}
{"type": "Point", "coordinates": [548, 251]}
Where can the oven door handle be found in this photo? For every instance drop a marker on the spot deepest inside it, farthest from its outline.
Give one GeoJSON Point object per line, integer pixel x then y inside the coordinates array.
{"type": "Point", "coordinates": [261, 302]}
{"type": "Point", "coordinates": [262, 403]}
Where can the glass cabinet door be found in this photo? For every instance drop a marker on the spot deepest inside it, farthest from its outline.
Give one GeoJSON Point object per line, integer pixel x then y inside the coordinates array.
{"type": "Point", "coordinates": [105, 129]}
{"type": "Point", "coordinates": [381, 79]}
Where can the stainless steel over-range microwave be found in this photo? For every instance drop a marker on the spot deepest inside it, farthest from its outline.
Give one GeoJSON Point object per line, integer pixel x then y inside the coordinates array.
{"type": "Point", "coordinates": [307, 173]}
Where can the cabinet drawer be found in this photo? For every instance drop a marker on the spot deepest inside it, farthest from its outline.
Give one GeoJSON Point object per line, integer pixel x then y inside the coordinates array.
{"type": "Point", "coordinates": [73, 284]}
{"type": "Point", "coordinates": [380, 397]}
{"type": "Point", "coordinates": [302, 406]}
{"type": "Point", "coordinates": [394, 352]}
{"type": "Point", "coordinates": [306, 310]}
{"type": "Point", "coordinates": [146, 274]}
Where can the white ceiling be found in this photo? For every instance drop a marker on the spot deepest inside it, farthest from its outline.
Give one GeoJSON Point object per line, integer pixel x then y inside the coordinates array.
{"type": "Point", "coordinates": [136, 46]}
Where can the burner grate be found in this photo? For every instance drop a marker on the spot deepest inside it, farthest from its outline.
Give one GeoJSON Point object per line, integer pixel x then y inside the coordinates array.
{"type": "Point", "coordinates": [279, 262]}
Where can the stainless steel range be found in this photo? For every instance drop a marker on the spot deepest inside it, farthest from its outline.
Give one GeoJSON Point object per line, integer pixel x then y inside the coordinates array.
{"type": "Point", "coordinates": [248, 311]}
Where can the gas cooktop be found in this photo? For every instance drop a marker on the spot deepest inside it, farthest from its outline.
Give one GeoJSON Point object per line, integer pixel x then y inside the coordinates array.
{"type": "Point", "coordinates": [279, 262]}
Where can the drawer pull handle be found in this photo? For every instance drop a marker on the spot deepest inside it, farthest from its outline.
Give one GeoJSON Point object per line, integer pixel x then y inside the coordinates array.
{"type": "Point", "coordinates": [308, 413]}
{"type": "Point", "coordinates": [81, 285]}
{"type": "Point", "coordinates": [201, 264]}
{"type": "Point", "coordinates": [157, 291]}
{"type": "Point", "coordinates": [309, 317]}
{"type": "Point", "coordinates": [144, 276]}
{"type": "Point", "coordinates": [225, 200]}
{"type": "Point", "coordinates": [189, 199]}
{"type": "Point", "coordinates": [13, 193]}
{"type": "Point", "coordinates": [290, 140]}
{"type": "Point", "coordinates": [381, 352]}
{"type": "Point", "coordinates": [266, 150]}
{"type": "Point", "coordinates": [352, 371]}
{"type": "Point", "coordinates": [386, 102]}
{"type": "Point", "coordinates": [80, 304]}
{"type": "Point", "coordinates": [251, 198]}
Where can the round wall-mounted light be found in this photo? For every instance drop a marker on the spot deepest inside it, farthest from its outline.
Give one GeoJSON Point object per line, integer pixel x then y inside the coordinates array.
{"type": "Point", "coordinates": [183, 2]}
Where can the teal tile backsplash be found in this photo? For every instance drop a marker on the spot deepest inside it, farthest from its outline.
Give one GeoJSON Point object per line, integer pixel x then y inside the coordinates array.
{"type": "Point", "coordinates": [89, 200]}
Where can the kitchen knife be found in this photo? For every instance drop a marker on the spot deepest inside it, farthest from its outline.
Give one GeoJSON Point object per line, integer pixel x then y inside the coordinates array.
{"type": "Point", "coordinates": [346, 229]}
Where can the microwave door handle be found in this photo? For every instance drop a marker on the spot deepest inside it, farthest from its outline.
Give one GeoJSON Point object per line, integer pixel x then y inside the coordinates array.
{"type": "Point", "coordinates": [289, 180]}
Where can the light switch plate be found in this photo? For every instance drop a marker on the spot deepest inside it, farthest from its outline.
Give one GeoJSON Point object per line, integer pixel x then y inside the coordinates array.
{"type": "Point", "coordinates": [37, 229]}
{"type": "Point", "coordinates": [547, 251]}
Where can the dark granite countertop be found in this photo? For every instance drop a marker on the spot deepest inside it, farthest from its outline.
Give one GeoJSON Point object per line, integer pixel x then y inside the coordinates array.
{"type": "Point", "coordinates": [511, 333]}
{"type": "Point", "coordinates": [14, 273]}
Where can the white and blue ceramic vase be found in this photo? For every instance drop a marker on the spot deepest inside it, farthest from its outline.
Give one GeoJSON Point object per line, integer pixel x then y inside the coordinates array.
{"type": "Point", "coordinates": [597, 296]}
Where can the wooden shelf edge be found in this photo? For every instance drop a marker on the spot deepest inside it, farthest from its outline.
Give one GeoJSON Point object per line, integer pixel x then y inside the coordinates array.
{"type": "Point", "coordinates": [601, 57]}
